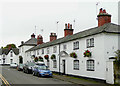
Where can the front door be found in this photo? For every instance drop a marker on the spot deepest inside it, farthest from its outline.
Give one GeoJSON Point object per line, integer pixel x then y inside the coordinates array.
{"type": "Point", "coordinates": [63, 62]}
{"type": "Point", "coordinates": [109, 72]}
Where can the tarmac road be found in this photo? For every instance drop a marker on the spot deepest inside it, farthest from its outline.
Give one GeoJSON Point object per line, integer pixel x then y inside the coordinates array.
{"type": "Point", "coordinates": [15, 77]}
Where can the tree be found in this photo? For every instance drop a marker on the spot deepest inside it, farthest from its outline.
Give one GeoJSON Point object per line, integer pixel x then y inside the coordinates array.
{"type": "Point", "coordinates": [10, 45]}
{"type": "Point", "coordinates": [117, 54]}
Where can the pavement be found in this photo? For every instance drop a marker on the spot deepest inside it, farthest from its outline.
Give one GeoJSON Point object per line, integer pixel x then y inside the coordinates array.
{"type": "Point", "coordinates": [80, 81]}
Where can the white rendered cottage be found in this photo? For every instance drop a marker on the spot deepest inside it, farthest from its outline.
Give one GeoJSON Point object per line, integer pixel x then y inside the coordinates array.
{"type": "Point", "coordinates": [8, 56]}
{"type": "Point", "coordinates": [25, 46]}
{"type": "Point", "coordinates": [101, 42]}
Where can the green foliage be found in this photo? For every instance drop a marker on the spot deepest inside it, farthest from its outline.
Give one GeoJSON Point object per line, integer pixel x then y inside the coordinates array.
{"type": "Point", "coordinates": [73, 54]}
{"type": "Point", "coordinates": [53, 56]}
{"type": "Point", "coordinates": [87, 53]}
{"type": "Point", "coordinates": [12, 46]}
{"type": "Point", "coordinates": [117, 55]}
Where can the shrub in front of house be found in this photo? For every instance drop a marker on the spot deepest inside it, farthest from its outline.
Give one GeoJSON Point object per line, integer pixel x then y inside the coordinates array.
{"type": "Point", "coordinates": [40, 59]}
{"type": "Point", "coordinates": [46, 57]}
{"type": "Point", "coordinates": [53, 56]}
{"type": "Point", "coordinates": [87, 53]}
{"type": "Point", "coordinates": [73, 54]}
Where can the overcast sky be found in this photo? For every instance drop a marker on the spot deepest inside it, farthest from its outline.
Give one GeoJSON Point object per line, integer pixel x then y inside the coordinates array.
{"type": "Point", "coordinates": [18, 18]}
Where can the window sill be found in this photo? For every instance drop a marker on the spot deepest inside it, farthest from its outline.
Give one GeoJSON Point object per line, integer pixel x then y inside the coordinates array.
{"type": "Point", "coordinates": [90, 46]}
{"type": "Point", "coordinates": [76, 69]}
{"type": "Point", "coordinates": [90, 70]}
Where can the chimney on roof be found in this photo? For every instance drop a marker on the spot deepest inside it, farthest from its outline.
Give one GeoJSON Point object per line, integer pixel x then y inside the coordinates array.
{"type": "Point", "coordinates": [68, 30]}
{"type": "Point", "coordinates": [22, 42]}
{"type": "Point", "coordinates": [33, 35]}
{"type": "Point", "coordinates": [103, 17]}
{"type": "Point", "coordinates": [9, 47]}
{"type": "Point", "coordinates": [39, 39]}
{"type": "Point", "coordinates": [53, 36]}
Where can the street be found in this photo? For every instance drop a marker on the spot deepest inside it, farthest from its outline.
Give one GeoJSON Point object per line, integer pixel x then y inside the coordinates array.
{"type": "Point", "coordinates": [18, 77]}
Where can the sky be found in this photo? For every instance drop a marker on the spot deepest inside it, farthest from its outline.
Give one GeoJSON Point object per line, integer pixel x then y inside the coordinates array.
{"type": "Point", "coordinates": [18, 18]}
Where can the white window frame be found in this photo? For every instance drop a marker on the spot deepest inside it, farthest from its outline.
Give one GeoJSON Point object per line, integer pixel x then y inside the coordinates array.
{"type": "Point", "coordinates": [42, 51]}
{"type": "Point", "coordinates": [76, 45]}
{"type": "Point", "coordinates": [90, 65]}
{"type": "Point", "coordinates": [37, 52]}
{"type": "Point", "coordinates": [55, 49]}
{"type": "Point", "coordinates": [54, 63]}
{"type": "Point", "coordinates": [48, 50]}
{"type": "Point", "coordinates": [64, 47]}
{"type": "Point", "coordinates": [90, 42]}
{"type": "Point", "coordinates": [76, 64]}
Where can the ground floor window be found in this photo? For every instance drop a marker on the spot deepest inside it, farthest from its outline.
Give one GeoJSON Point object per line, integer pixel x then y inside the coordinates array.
{"type": "Point", "coordinates": [3, 60]}
{"type": "Point", "coordinates": [90, 65]}
{"type": "Point", "coordinates": [76, 64]}
{"type": "Point", "coordinates": [11, 61]}
{"type": "Point", "coordinates": [48, 63]}
{"type": "Point", "coordinates": [54, 64]}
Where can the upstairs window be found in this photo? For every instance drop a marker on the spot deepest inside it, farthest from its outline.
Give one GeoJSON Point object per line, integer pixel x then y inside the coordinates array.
{"type": "Point", "coordinates": [64, 47]}
{"type": "Point", "coordinates": [42, 51]}
{"type": "Point", "coordinates": [37, 52]}
{"type": "Point", "coordinates": [90, 42]}
{"type": "Point", "coordinates": [76, 45]}
{"type": "Point", "coordinates": [54, 49]}
{"type": "Point", "coordinates": [47, 50]}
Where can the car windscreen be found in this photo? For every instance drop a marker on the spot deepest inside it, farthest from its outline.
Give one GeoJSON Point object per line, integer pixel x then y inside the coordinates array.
{"type": "Point", "coordinates": [31, 64]}
{"type": "Point", "coordinates": [42, 68]}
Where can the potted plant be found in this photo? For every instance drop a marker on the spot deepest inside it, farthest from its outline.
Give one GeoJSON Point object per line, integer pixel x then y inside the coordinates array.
{"type": "Point", "coordinates": [73, 54]}
{"type": "Point", "coordinates": [53, 56]}
{"type": "Point", "coordinates": [87, 53]}
{"type": "Point", "coordinates": [40, 59]}
{"type": "Point", "coordinates": [36, 59]}
{"type": "Point", "coordinates": [46, 57]}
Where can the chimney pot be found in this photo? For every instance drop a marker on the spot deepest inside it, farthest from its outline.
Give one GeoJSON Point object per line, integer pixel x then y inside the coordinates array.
{"type": "Point", "coordinates": [103, 18]}
{"type": "Point", "coordinates": [39, 39]}
{"type": "Point", "coordinates": [68, 31]}
{"type": "Point", "coordinates": [33, 35]}
{"type": "Point", "coordinates": [53, 36]}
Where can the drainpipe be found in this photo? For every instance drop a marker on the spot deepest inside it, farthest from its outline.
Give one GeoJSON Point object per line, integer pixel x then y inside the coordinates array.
{"type": "Point", "coordinates": [59, 58]}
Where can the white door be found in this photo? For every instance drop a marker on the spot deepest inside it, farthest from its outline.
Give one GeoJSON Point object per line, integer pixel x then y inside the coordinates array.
{"type": "Point", "coordinates": [109, 72]}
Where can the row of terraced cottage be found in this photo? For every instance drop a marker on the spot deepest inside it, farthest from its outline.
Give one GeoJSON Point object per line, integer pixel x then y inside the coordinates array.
{"type": "Point", "coordinates": [86, 54]}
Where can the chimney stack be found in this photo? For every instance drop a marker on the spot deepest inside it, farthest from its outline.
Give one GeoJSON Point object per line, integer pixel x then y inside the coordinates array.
{"type": "Point", "coordinates": [33, 35]}
{"type": "Point", "coordinates": [39, 39]}
{"type": "Point", "coordinates": [68, 30]}
{"type": "Point", "coordinates": [53, 36]}
{"type": "Point", "coordinates": [103, 17]}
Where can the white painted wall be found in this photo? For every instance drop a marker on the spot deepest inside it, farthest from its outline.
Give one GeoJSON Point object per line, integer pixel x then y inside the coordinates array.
{"type": "Point", "coordinates": [104, 46]}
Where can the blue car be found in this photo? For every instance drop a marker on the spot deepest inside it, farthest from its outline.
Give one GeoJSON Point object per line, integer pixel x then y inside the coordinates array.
{"type": "Point", "coordinates": [42, 70]}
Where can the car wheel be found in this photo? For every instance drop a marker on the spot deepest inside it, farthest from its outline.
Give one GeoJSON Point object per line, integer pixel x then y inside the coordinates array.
{"type": "Point", "coordinates": [38, 74]}
{"type": "Point", "coordinates": [27, 71]}
{"type": "Point", "coordinates": [33, 74]}
{"type": "Point", "coordinates": [24, 70]}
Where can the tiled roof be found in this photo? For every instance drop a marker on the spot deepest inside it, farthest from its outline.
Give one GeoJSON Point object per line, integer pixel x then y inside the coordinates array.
{"type": "Point", "coordinates": [30, 42]}
{"type": "Point", "coordinates": [6, 51]}
{"type": "Point", "coordinates": [108, 28]}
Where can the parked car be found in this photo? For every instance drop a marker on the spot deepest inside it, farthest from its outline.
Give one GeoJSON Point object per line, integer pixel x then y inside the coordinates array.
{"type": "Point", "coordinates": [27, 68]}
{"type": "Point", "coordinates": [42, 70]}
{"type": "Point", "coordinates": [38, 64]}
{"type": "Point", "coordinates": [13, 65]}
{"type": "Point", "coordinates": [20, 67]}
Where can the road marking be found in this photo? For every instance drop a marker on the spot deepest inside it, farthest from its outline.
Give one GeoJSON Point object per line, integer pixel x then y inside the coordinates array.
{"type": "Point", "coordinates": [4, 80]}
